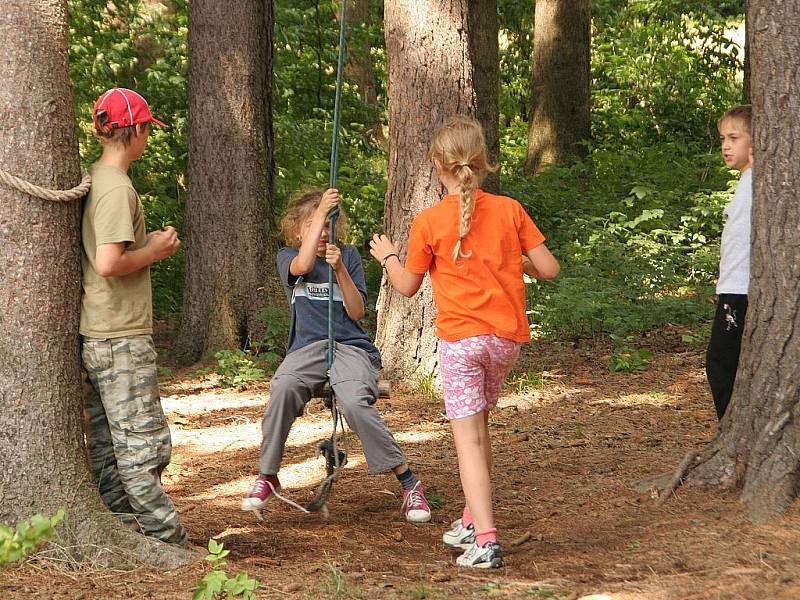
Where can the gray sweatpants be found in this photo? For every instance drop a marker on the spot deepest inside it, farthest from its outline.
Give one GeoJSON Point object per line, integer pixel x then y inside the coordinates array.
{"type": "Point", "coordinates": [355, 384]}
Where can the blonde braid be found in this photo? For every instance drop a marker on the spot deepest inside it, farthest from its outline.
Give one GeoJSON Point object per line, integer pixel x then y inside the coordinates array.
{"type": "Point", "coordinates": [467, 205]}
{"type": "Point", "coordinates": [458, 148]}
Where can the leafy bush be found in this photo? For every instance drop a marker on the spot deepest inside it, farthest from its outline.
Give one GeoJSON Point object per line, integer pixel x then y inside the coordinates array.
{"type": "Point", "coordinates": [236, 369]}
{"type": "Point", "coordinates": [17, 543]}
{"type": "Point", "coordinates": [662, 70]}
{"type": "Point", "coordinates": [628, 359]}
{"type": "Point", "coordinates": [272, 347]}
{"type": "Point", "coordinates": [636, 234]}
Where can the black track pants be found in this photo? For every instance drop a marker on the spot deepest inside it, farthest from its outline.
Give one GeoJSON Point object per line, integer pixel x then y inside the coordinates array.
{"type": "Point", "coordinates": [722, 356]}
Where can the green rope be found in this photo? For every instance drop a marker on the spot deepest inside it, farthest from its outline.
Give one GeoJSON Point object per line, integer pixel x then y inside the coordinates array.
{"type": "Point", "coordinates": [335, 464]}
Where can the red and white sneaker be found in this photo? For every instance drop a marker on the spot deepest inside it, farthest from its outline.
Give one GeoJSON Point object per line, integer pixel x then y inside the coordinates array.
{"type": "Point", "coordinates": [263, 489]}
{"type": "Point", "coordinates": [415, 505]}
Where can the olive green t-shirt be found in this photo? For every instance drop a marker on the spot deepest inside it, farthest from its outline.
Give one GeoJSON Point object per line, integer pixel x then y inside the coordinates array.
{"type": "Point", "coordinates": [113, 306]}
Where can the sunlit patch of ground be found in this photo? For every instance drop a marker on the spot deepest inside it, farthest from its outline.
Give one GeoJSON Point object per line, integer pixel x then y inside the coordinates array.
{"type": "Point", "coordinates": [568, 451]}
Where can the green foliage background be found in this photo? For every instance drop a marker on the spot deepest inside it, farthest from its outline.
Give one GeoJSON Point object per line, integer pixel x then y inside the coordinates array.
{"type": "Point", "coordinates": [635, 224]}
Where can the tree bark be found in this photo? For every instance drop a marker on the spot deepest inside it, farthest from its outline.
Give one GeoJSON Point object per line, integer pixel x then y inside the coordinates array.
{"type": "Point", "coordinates": [442, 59]}
{"type": "Point", "coordinates": [560, 82]}
{"type": "Point", "coordinates": [45, 466]}
{"type": "Point", "coordinates": [758, 444]}
{"type": "Point", "coordinates": [230, 230]}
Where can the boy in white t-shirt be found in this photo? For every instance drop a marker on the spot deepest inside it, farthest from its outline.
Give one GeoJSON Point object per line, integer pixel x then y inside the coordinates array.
{"type": "Point", "coordinates": [722, 357]}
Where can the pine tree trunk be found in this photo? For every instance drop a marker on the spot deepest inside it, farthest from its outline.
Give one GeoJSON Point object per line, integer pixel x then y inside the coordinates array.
{"type": "Point", "coordinates": [442, 60]}
{"type": "Point", "coordinates": [230, 231]}
{"type": "Point", "coordinates": [560, 84]}
{"type": "Point", "coordinates": [758, 445]}
{"type": "Point", "coordinates": [45, 466]}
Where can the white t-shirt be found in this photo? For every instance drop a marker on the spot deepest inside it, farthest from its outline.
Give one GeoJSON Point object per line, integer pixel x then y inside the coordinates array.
{"type": "Point", "coordinates": [734, 252]}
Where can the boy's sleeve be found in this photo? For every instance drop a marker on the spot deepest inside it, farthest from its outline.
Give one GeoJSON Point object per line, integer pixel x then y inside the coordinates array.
{"type": "Point", "coordinates": [420, 253]}
{"type": "Point", "coordinates": [113, 216]}
{"type": "Point", "coordinates": [284, 259]}
{"type": "Point", "coordinates": [529, 234]}
{"type": "Point", "coordinates": [355, 267]}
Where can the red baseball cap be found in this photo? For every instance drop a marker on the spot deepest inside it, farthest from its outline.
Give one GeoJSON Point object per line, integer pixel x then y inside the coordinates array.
{"type": "Point", "coordinates": [121, 107]}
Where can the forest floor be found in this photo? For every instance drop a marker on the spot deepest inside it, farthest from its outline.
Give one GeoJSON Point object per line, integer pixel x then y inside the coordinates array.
{"type": "Point", "coordinates": [571, 442]}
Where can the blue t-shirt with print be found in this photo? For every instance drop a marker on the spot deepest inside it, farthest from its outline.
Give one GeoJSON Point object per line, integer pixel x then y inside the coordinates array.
{"type": "Point", "coordinates": [308, 296]}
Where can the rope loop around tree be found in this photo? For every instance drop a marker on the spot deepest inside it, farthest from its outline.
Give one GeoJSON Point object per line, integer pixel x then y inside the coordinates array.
{"type": "Point", "coordinates": [76, 193]}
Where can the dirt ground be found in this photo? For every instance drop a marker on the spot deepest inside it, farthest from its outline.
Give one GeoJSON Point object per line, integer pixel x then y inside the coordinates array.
{"type": "Point", "coordinates": [571, 440]}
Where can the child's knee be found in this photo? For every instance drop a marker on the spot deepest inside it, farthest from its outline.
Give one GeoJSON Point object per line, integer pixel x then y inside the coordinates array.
{"type": "Point", "coordinates": [288, 391]}
{"type": "Point", "coordinates": [356, 390]}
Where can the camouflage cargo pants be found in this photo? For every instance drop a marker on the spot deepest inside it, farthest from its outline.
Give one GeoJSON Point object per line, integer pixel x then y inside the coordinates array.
{"type": "Point", "coordinates": [127, 434]}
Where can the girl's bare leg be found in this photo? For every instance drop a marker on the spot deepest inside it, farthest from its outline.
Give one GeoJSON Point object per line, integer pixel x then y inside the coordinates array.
{"type": "Point", "coordinates": [471, 436]}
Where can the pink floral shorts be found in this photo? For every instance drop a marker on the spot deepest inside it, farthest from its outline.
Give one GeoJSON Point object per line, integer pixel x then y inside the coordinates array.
{"type": "Point", "coordinates": [473, 371]}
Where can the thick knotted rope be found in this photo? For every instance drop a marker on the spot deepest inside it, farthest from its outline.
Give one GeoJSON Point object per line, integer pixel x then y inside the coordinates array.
{"type": "Point", "coordinates": [79, 191]}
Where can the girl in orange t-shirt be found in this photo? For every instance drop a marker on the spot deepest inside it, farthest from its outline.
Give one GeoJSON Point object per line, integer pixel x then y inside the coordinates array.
{"type": "Point", "coordinates": [471, 243]}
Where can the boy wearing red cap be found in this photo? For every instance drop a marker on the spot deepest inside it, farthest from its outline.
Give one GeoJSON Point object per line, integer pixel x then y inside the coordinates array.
{"type": "Point", "coordinates": [127, 435]}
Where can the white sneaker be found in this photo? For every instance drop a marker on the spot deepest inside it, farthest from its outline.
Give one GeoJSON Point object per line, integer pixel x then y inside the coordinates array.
{"type": "Point", "coordinates": [488, 556]}
{"type": "Point", "coordinates": [459, 536]}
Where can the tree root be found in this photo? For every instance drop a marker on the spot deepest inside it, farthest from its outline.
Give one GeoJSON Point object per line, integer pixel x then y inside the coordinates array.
{"type": "Point", "coordinates": [677, 477]}
{"type": "Point", "coordinates": [101, 541]}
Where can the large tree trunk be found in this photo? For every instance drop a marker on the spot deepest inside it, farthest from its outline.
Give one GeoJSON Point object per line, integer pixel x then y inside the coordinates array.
{"type": "Point", "coordinates": [45, 466]}
{"type": "Point", "coordinates": [442, 61]}
{"type": "Point", "coordinates": [560, 82]}
{"type": "Point", "coordinates": [230, 249]}
{"type": "Point", "coordinates": [758, 445]}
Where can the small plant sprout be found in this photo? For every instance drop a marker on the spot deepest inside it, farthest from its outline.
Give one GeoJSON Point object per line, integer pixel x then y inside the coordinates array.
{"type": "Point", "coordinates": [216, 584]}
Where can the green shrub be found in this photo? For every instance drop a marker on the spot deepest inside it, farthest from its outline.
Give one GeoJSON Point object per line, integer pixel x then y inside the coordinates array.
{"type": "Point", "coordinates": [637, 236]}
{"type": "Point", "coordinates": [271, 349]}
{"type": "Point", "coordinates": [17, 543]}
{"type": "Point", "coordinates": [236, 369]}
{"type": "Point", "coordinates": [628, 359]}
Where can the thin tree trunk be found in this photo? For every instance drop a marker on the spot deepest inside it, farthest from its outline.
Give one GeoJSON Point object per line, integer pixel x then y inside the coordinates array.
{"type": "Point", "coordinates": [442, 61]}
{"type": "Point", "coordinates": [45, 466]}
{"type": "Point", "coordinates": [230, 256]}
{"type": "Point", "coordinates": [758, 445]}
{"type": "Point", "coordinates": [560, 82]}
{"type": "Point", "coordinates": [746, 78]}
{"type": "Point", "coordinates": [358, 67]}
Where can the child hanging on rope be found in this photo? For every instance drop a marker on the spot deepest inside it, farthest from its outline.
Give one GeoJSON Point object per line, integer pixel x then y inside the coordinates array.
{"type": "Point", "coordinates": [471, 243]}
{"type": "Point", "coordinates": [127, 435]}
{"type": "Point", "coordinates": [303, 269]}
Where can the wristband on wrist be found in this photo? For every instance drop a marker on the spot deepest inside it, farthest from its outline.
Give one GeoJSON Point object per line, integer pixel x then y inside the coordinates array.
{"type": "Point", "coordinates": [387, 257]}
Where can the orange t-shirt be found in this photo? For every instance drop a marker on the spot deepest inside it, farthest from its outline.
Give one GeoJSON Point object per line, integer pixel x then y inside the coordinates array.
{"type": "Point", "coordinates": [484, 293]}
